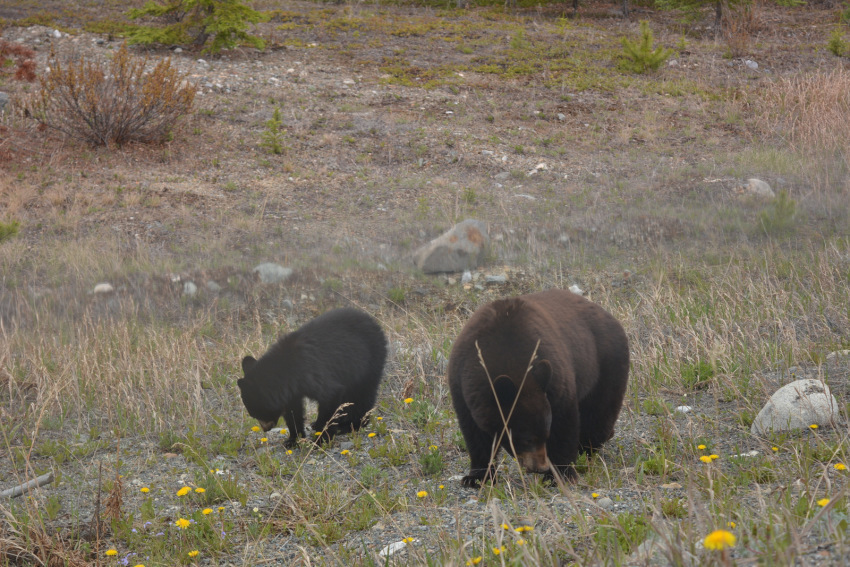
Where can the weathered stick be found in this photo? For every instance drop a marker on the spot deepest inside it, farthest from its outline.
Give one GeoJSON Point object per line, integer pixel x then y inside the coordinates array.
{"type": "Point", "coordinates": [27, 486]}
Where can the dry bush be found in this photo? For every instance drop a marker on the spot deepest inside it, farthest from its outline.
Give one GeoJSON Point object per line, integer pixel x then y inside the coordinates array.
{"type": "Point", "coordinates": [114, 105]}
{"type": "Point", "coordinates": [740, 23]}
{"type": "Point", "coordinates": [810, 111]}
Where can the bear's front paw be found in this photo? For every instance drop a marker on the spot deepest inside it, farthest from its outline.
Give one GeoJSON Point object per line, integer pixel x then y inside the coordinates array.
{"type": "Point", "coordinates": [566, 473]}
{"type": "Point", "coordinates": [291, 443]}
{"type": "Point", "coordinates": [471, 481]}
{"type": "Point", "coordinates": [477, 476]}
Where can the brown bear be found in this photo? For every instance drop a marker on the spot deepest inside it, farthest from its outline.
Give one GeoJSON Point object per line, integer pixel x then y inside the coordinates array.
{"type": "Point", "coordinates": [336, 359]}
{"type": "Point", "coordinates": [567, 398]}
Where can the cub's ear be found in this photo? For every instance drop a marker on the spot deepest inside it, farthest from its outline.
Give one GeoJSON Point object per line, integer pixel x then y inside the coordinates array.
{"type": "Point", "coordinates": [505, 392]}
{"type": "Point", "coordinates": [542, 373]}
{"type": "Point", "coordinates": [248, 363]}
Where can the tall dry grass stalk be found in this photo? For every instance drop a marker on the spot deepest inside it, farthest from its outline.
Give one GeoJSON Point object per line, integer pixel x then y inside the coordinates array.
{"type": "Point", "coordinates": [810, 112]}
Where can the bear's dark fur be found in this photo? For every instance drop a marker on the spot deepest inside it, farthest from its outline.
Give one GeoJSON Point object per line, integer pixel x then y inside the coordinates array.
{"type": "Point", "coordinates": [335, 359]}
{"type": "Point", "coordinates": [566, 400]}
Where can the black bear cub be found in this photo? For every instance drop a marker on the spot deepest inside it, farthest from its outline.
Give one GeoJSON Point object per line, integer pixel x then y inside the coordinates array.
{"type": "Point", "coordinates": [335, 359]}
{"type": "Point", "coordinates": [564, 400]}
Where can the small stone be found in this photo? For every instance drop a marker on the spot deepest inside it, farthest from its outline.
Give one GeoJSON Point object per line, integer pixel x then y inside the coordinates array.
{"type": "Point", "coordinates": [502, 175]}
{"type": "Point", "coordinates": [562, 116]}
{"type": "Point", "coordinates": [605, 503]}
{"type": "Point", "coordinates": [213, 287]}
{"type": "Point", "coordinates": [759, 187]}
{"type": "Point", "coordinates": [671, 486]}
{"type": "Point", "coordinates": [466, 277]}
{"type": "Point", "coordinates": [683, 409]}
{"type": "Point", "coordinates": [751, 64]}
{"type": "Point", "coordinates": [838, 354]}
{"type": "Point", "coordinates": [190, 289]}
{"type": "Point", "coordinates": [460, 248]}
{"type": "Point", "coordinates": [673, 63]}
{"type": "Point", "coordinates": [104, 287]}
{"type": "Point", "coordinates": [496, 279]}
{"type": "Point", "coordinates": [274, 495]}
{"type": "Point", "coordinates": [576, 290]}
{"type": "Point", "coordinates": [178, 50]}
{"type": "Point", "coordinates": [57, 34]}
{"type": "Point", "coordinates": [271, 273]}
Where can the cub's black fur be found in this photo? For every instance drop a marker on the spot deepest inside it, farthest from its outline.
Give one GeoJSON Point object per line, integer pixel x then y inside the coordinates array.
{"type": "Point", "coordinates": [335, 359]}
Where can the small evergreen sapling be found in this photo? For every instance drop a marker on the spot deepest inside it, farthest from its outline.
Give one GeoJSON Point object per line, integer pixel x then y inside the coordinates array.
{"type": "Point", "coordinates": [196, 21]}
{"type": "Point", "coordinates": [640, 56]}
{"type": "Point", "coordinates": [273, 134]}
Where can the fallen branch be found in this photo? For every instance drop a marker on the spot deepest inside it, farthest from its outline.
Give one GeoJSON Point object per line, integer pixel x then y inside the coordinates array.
{"type": "Point", "coordinates": [27, 486]}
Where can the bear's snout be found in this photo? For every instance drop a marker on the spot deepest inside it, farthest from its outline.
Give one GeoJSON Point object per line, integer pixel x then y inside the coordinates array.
{"type": "Point", "coordinates": [535, 461]}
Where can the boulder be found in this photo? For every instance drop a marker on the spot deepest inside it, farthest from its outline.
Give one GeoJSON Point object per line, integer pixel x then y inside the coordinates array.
{"type": "Point", "coordinates": [797, 406]}
{"type": "Point", "coordinates": [759, 188]}
{"type": "Point", "coordinates": [461, 248]}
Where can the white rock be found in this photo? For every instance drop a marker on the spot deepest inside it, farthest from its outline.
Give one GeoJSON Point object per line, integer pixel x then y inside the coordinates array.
{"type": "Point", "coordinates": [392, 548]}
{"type": "Point", "coordinates": [562, 116]}
{"type": "Point", "coordinates": [103, 287]}
{"type": "Point", "coordinates": [190, 289]}
{"type": "Point", "coordinates": [466, 277]}
{"type": "Point", "coordinates": [271, 273]}
{"type": "Point", "coordinates": [752, 453]}
{"type": "Point", "coordinates": [838, 354]}
{"type": "Point", "coordinates": [673, 63]}
{"type": "Point", "coordinates": [797, 406]}
{"type": "Point", "coordinates": [684, 409]}
{"type": "Point", "coordinates": [759, 187]}
{"type": "Point", "coordinates": [576, 290]}
{"type": "Point", "coordinates": [57, 34]}
{"type": "Point", "coordinates": [751, 64]}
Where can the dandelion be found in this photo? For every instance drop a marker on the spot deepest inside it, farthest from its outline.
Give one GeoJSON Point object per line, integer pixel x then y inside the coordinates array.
{"type": "Point", "coordinates": [283, 432]}
{"type": "Point", "coordinates": [289, 451]}
{"type": "Point", "coordinates": [823, 502]}
{"type": "Point", "coordinates": [194, 553]}
{"type": "Point", "coordinates": [719, 540]}
{"type": "Point", "coordinates": [111, 552]}
{"type": "Point", "coordinates": [344, 452]}
{"type": "Point", "coordinates": [701, 447]}
{"type": "Point", "coordinates": [839, 467]}
{"type": "Point", "coordinates": [182, 523]}
{"type": "Point", "coordinates": [206, 511]}
{"type": "Point", "coordinates": [731, 525]}
{"type": "Point", "coordinates": [422, 494]}
{"type": "Point", "coordinates": [200, 490]}
{"type": "Point", "coordinates": [474, 561]}
{"type": "Point", "coordinates": [594, 495]}
{"type": "Point", "coordinates": [264, 439]}
{"type": "Point", "coordinates": [408, 540]}
{"type": "Point", "coordinates": [441, 487]}
{"type": "Point", "coordinates": [379, 418]}
{"type": "Point", "coordinates": [525, 529]}
{"type": "Point", "coordinates": [256, 429]}
{"type": "Point", "coordinates": [256, 509]}
{"type": "Point", "coordinates": [505, 527]}
{"type": "Point", "coordinates": [139, 565]}
{"type": "Point", "coordinates": [498, 550]}
{"type": "Point", "coordinates": [317, 433]}
{"type": "Point", "coordinates": [775, 449]}
{"type": "Point", "coordinates": [372, 434]}
{"type": "Point", "coordinates": [520, 541]}
{"type": "Point", "coordinates": [221, 509]}
{"type": "Point", "coordinates": [145, 489]}
{"type": "Point", "coordinates": [706, 459]}
{"type": "Point", "coordinates": [813, 426]}
{"type": "Point", "coordinates": [712, 457]}
{"type": "Point", "coordinates": [433, 447]}
{"type": "Point", "coordinates": [408, 400]}
{"type": "Point", "coordinates": [184, 491]}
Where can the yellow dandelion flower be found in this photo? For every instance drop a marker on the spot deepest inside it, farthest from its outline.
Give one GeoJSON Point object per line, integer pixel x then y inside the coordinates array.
{"type": "Point", "coordinates": [221, 508]}
{"type": "Point", "coordinates": [283, 432]}
{"type": "Point", "coordinates": [719, 540]}
{"type": "Point", "coordinates": [264, 439]}
{"type": "Point", "coordinates": [441, 487]}
{"type": "Point", "coordinates": [182, 523]}
{"type": "Point", "coordinates": [184, 491]}
{"type": "Point", "coordinates": [701, 447]}
{"type": "Point", "coordinates": [474, 561]}
{"type": "Point", "coordinates": [775, 449]}
{"type": "Point", "coordinates": [408, 540]}
{"type": "Point", "coordinates": [823, 502]}
{"type": "Point", "coordinates": [422, 494]}
{"type": "Point", "coordinates": [372, 434]}
{"type": "Point", "coordinates": [200, 490]}
{"type": "Point", "coordinates": [145, 489]}
{"type": "Point", "coordinates": [839, 467]}
{"type": "Point", "coordinates": [139, 565]}
{"type": "Point", "coordinates": [289, 451]}
{"type": "Point", "coordinates": [594, 495]}
{"type": "Point", "coordinates": [408, 400]}
{"type": "Point", "coordinates": [194, 553]}
{"type": "Point", "coordinates": [525, 529]}
{"type": "Point", "coordinates": [813, 426]}
{"type": "Point", "coordinates": [111, 552]}
{"type": "Point", "coordinates": [706, 459]}
{"type": "Point", "coordinates": [379, 418]}
{"type": "Point", "coordinates": [344, 452]}
{"type": "Point", "coordinates": [520, 541]}
{"type": "Point", "coordinates": [206, 511]}
{"type": "Point", "coordinates": [712, 457]}
{"type": "Point", "coordinates": [498, 550]}
{"type": "Point", "coordinates": [505, 527]}
{"type": "Point", "coordinates": [317, 433]}
{"type": "Point", "coordinates": [731, 525]}
{"type": "Point", "coordinates": [255, 429]}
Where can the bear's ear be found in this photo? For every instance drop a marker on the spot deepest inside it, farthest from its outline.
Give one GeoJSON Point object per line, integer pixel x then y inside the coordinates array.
{"type": "Point", "coordinates": [248, 363]}
{"type": "Point", "coordinates": [505, 392]}
{"type": "Point", "coordinates": [542, 373]}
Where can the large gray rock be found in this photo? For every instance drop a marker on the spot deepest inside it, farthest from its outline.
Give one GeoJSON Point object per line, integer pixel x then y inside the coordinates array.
{"type": "Point", "coordinates": [797, 406]}
{"type": "Point", "coordinates": [271, 273]}
{"type": "Point", "coordinates": [461, 248]}
{"type": "Point", "coordinates": [760, 188]}
{"type": "Point", "coordinates": [4, 100]}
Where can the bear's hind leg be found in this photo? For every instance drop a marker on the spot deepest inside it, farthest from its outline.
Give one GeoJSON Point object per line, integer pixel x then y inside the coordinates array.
{"type": "Point", "coordinates": [294, 417]}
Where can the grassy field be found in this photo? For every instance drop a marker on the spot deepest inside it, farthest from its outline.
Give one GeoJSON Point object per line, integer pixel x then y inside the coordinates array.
{"type": "Point", "coordinates": [398, 120]}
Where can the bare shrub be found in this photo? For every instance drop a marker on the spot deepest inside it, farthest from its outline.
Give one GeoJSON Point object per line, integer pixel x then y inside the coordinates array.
{"type": "Point", "coordinates": [740, 23]}
{"type": "Point", "coordinates": [116, 104]}
{"type": "Point", "coordinates": [809, 111]}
